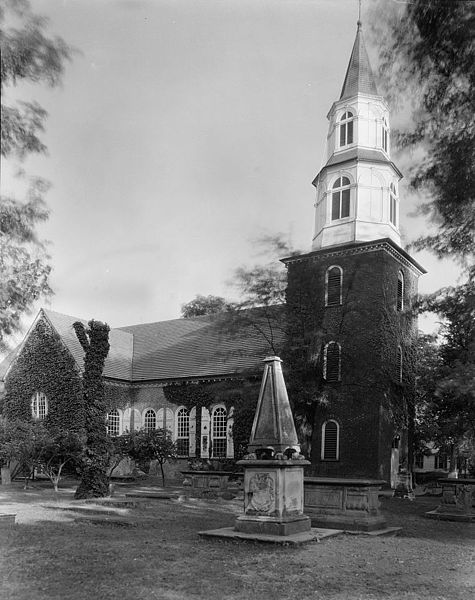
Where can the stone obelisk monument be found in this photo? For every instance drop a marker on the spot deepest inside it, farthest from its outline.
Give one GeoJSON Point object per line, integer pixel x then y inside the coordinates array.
{"type": "Point", "coordinates": [274, 467]}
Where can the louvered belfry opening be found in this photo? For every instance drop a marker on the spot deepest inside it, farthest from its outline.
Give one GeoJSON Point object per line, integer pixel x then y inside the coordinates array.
{"type": "Point", "coordinates": [334, 277]}
{"type": "Point", "coordinates": [399, 364]}
{"type": "Point", "coordinates": [332, 362]}
{"type": "Point", "coordinates": [330, 441]}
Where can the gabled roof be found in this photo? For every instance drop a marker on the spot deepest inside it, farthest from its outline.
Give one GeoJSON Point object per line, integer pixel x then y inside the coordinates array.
{"type": "Point", "coordinates": [118, 363]}
{"type": "Point", "coordinates": [359, 77]}
{"type": "Point", "coordinates": [200, 347]}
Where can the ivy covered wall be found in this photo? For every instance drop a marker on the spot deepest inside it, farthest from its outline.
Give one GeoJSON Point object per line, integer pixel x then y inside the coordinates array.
{"type": "Point", "coordinates": [45, 365]}
{"type": "Point", "coordinates": [368, 402]}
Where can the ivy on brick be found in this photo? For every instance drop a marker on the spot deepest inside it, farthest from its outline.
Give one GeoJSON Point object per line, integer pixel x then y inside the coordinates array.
{"type": "Point", "coordinates": [240, 394]}
{"type": "Point", "coordinates": [45, 365]}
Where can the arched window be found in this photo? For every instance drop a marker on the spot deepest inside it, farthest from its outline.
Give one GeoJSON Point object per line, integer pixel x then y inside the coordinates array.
{"type": "Point", "coordinates": [219, 431]}
{"type": "Point", "coordinates": [385, 135]}
{"type": "Point", "coordinates": [183, 432]}
{"type": "Point", "coordinates": [393, 204]}
{"type": "Point", "coordinates": [346, 129]}
{"type": "Point", "coordinates": [332, 362]}
{"type": "Point", "coordinates": [113, 423]}
{"type": "Point", "coordinates": [399, 364]}
{"type": "Point", "coordinates": [333, 286]}
{"type": "Point", "coordinates": [330, 440]}
{"type": "Point", "coordinates": [39, 406]}
{"type": "Point", "coordinates": [400, 291]}
{"type": "Point", "coordinates": [150, 420]}
{"type": "Point", "coordinates": [165, 420]}
{"type": "Point", "coordinates": [341, 198]}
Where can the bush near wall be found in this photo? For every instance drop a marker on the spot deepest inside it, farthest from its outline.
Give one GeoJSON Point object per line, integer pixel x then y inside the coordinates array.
{"type": "Point", "coordinates": [45, 365]}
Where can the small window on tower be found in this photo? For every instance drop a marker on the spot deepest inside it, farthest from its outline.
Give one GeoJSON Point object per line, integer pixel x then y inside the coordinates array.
{"type": "Point", "coordinates": [332, 362]}
{"type": "Point", "coordinates": [399, 364]}
{"type": "Point", "coordinates": [400, 291]}
{"type": "Point", "coordinates": [393, 204]}
{"type": "Point", "coordinates": [330, 440]}
{"type": "Point", "coordinates": [341, 198]}
{"type": "Point", "coordinates": [385, 136]}
{"type": "Point", "coordinates": [333, 286]}
{"type": "Point", "coordinates": [346, 129]}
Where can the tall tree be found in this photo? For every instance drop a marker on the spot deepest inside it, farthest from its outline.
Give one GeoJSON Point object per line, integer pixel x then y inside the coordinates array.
{"type": "Point", "coordinates": [97, 452]}
{"type": "Point", "coordinates": [27, 55]}
{"type": "Point", "coordinates": [428, 57]}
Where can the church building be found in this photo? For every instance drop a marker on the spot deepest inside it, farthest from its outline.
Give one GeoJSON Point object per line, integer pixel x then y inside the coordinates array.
{"type": "Point", "coordinates": [348, 343]}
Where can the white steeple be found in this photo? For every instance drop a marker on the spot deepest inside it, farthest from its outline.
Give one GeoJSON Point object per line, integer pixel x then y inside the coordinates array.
{"type": "Point", "coordinates": [357, 188]}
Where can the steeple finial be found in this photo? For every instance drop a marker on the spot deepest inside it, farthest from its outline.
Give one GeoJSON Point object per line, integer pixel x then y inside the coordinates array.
{"type": "Point", "coordinates": [359, 76]}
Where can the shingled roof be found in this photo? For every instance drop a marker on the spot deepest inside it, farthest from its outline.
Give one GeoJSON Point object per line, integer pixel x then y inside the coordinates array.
{"type": "Point", "coordinates": [195, 348]}
{"type": "Point", "coordinates": [359, 77]}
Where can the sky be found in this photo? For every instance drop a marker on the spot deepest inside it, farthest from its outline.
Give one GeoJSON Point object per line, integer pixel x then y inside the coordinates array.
{"type": "Point", "coordinates": [182, 132]}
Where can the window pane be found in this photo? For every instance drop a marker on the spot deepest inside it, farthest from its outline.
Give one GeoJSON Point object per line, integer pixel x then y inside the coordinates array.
{"type": "Point", "coordinates": [150, 421]}
{"type": "Point", "coordinates": [113, 423]}
{"type": "Point", "coordinates": [345, 204]}
{"type": "Point", "coordinates": [349, 126]}
{"type": "Point", "coordinates": [342, 134]}
{"type": "Point", "coordinates": [400, 292]}
{"type": "Point", "coordinates": [335, 206]}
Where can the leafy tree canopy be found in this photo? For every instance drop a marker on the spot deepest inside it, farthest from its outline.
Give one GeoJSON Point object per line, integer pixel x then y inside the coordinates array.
{"type": "Point", "coordinates": [27, 55]}
{"type": "Point", "coordinates": [428, 57]}
{"type": "Point", "coordinates": [203, 305]}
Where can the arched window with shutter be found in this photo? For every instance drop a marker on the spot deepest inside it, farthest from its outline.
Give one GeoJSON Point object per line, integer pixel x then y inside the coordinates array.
{"type": "Point", "coordinates": [400, 291]}
{"type": "Point", "coordinates": [332, 362]}
{"type": "Point", "coordinates": [333, 286]}
{"type": "Point", "coordinates": [150, 420]}
{"type": "Point", "coordinates": [330, 440]}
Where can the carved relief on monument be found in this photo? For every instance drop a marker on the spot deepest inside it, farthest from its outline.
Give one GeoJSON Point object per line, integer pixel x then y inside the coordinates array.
{"type": "Point", "coordinates": [261, 493]}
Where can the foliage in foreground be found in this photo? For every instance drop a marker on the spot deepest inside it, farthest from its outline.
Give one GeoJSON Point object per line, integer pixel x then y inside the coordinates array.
{"type": "Point", "coordinates": [27, 55]}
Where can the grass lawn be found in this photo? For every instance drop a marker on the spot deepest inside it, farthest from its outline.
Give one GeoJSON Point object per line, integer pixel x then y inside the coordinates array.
{"type": "Point", "coordinates": [49, 555]}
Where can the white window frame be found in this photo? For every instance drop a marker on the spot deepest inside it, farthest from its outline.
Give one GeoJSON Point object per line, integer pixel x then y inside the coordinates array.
{"type": "Point", "coordinates": [144, 419]}
{"type": "Point", "coordinates": [393, 204]}
{"type": "Point", "coordinates": [39, 406]}
{"type": "Point", "coordinates": [322, 454]}
{"type": "Point", "coordinates": [118, 422]}
{"type": "Point", "coordinates": [344, 126]}
{"type": "Point", "coordinates": [339, 190]}
{"type": "Point", "coordinates": [223, 430]}
{"type": "Point", "coordinates": [179, 428]}
{"type": "Point", "coordinates": [385, 135]}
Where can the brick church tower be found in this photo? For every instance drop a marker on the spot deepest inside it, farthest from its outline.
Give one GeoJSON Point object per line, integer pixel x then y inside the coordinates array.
{"type": "Point", "coordinates": [351, 328]}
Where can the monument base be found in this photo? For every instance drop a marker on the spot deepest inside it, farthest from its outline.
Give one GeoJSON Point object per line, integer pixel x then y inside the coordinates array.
{"type": "Point", "coordinates": [263, 525]}
{"type": "Point", "coordinates": [295, 539]}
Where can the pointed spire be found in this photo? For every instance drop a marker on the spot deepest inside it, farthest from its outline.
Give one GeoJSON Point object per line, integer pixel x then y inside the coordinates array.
{"type": "Point", "coordinates": [359, 76]}
{"type": "Point", "coordinates": [273, 422]}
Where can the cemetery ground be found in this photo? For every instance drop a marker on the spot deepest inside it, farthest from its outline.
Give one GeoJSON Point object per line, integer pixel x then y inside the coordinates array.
{"type": "Point", "coordinates": [58, 551]}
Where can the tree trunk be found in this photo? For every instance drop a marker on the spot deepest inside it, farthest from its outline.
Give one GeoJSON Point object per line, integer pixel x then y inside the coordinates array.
{"type": "Point", "coordinates": [163, 473]}
{"type": "Point", "coordinates": [6, 476]}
